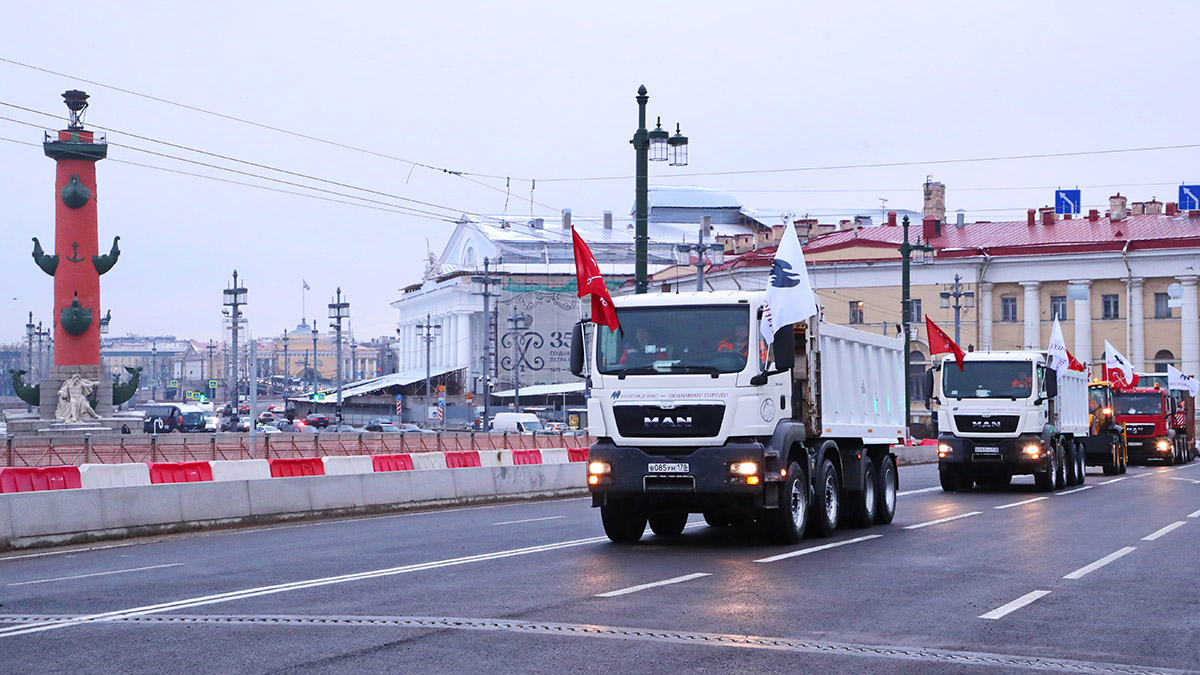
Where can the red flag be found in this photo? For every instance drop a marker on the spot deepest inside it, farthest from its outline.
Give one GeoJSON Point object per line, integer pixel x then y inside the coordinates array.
{"type": "Point", "coordinates": [591, 282]}
{"type": "Point", "coordinates": [940, 343]}
{"type": "Point", "coordinates": [1074, 363]}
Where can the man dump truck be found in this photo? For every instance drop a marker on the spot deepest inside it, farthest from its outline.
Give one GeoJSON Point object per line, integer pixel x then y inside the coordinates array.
{"type": "Point", "coordinates": [695, 414]}
{"type": "Point", "coordinates": [1155, 423]}
{"type": "Point", "coordinates": [1007, 413]}
{"type": "Point", "coordinates": [1105, 445]}
{"type": "Point", "coordinates": [1183, 404]}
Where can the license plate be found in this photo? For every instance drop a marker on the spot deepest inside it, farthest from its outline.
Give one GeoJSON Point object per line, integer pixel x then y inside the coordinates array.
{"type": "Point", "coordinates": [668, 468]}
{"type": "Point", "coordinates": [988, 449]}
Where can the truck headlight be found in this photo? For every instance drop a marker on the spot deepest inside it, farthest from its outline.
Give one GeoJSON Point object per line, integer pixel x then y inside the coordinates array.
{"type": "Point", "coordinates": [744, 468]}
{"type": "Point", "coordinates": [1163, 445]}
{"type": "Point", "coordinates": [597, 468]}
{"type": "Point", "coordinates": [1033, 450]}
{"type": "Point", "coordinates": [944, 450]}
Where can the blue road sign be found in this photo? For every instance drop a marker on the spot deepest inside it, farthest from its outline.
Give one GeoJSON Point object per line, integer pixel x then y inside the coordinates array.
{"type": "Point", "coordinates": [1066, 201]}
{"type": "Point", "coordinates": [1189, 197]}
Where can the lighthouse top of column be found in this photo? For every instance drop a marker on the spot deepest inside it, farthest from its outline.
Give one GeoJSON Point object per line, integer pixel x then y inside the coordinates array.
{"type": "Point", "coordinates": [75, 142]}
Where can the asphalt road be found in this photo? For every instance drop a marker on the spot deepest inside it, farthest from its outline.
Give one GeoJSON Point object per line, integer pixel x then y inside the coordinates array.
{"type": "Point", "coordinates": [1096, 580]}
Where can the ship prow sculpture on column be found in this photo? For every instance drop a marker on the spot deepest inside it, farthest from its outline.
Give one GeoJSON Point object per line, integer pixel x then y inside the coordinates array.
{"type": "Point", "coordinates": [76, 396]}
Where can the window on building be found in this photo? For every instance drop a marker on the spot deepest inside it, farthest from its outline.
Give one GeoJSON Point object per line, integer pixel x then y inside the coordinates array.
{"type": "Point", "coordinates": [1162, 359]}
{"type": "Point", "coordinates": [856, 311]}
{"type": "Point", "coordinates": [1008, 308]}
{"type": "Point", "coordinates": [916, 376]}
{"type": "Point", "coordinates": [1111, 306]}
{"type": "Point", "coordinates": [914, 310]}
{"type": "Point", "coordinates": [1162, 308]}
{"type": "Point", "coordinates": [1058, 307]}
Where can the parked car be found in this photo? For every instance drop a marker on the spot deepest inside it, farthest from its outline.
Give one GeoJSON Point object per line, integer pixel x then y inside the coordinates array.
{"type": "Point", "coordinates": [343, 429]}
{"type": "Point", "coordinates": [161, 419]}
{"type": "Point", "coordinates": [210, 422]}
{"type": "Point", "coordinates": [556, 427]}
{"type": "Point", "coordinates": [522, 423]}
{"type": "Point", "coordinates": [382, 427]}
{"type": "Point", "coordinates": [410, 428]}
{"type": "Point", "coordinates": [317, 420]}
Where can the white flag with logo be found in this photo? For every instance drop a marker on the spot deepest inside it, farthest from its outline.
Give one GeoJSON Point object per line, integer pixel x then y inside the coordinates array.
{"type": "Point", "coordinates": [790, 296]}
{"type": "Point", "coordinates": [1115, 360]}
{"type": "Point", "coordinates": [1058, 349]}
{"type": "Point", "coordinates": [1177, 379]}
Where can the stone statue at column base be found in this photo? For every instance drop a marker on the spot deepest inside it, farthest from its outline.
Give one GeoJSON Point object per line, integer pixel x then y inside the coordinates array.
{"type": "Point", "coordinates": [73, 405]}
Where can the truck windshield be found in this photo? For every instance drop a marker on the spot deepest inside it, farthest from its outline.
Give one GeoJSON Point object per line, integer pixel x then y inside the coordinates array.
{"type": "Point", "coordinates": [988, 379]}
{"type": "Point", "coordinates": [1129, 403]}
{"type": "Point", "coordinates": [687, 339]}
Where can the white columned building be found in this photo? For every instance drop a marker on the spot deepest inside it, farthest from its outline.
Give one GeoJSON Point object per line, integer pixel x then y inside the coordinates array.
{"type": "Point", "coordinates": [1189, 327]}
{"type": "Point", "coordinates": [1137, 325]}
{"type": "Point", "coordinates": [1033, 314]}
{"type": "Point", "coordinates": [1083, 321]}
{"type": "Point", "coordinates": [985, 315]}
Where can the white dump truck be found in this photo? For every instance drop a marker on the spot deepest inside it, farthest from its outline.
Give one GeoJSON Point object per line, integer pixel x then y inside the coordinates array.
{"type": "Point", "coordinates": [695, 414]}
{"type": "Point", "coordinates": [1006, 413]}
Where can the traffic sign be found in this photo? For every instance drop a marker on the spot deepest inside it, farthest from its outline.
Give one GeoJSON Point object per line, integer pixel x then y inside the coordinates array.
{"type": "Point", "coordinates": [212, 384]}
{"type": "Point", "coordinates": [1066, 201]}
{"type": "Point", "coordinates": [1189, 197]}
{"type": "Point", "coordinates": [399, 404]}
{"type": "Point", "coordinates": [173, 384]}
{"type": "Point", "coordinates": [320, 397]}
{"type": "Point", "coordinates": [189, 395]}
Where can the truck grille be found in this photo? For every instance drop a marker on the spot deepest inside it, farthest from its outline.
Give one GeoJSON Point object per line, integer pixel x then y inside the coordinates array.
{"type": "Point", "coordinates": [1139, 429]}
{"type": "Point", "coordinates": [991, 424]}
{"type": "Point", "coordinates": [653, 421]}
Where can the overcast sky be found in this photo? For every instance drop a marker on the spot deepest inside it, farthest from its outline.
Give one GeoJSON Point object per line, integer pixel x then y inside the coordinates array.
{"type": "Point", "coordinates": [545, 91]}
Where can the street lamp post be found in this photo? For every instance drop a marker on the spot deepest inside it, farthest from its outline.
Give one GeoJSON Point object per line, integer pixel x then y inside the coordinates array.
{"type": "Point", "coordinates": [429, 327]}
{"type": "Point", "coordinates": [906, 317]}
{"type": "Point", "coordinates": [337, 311]}
{"type": "Point", "coordinates": [234, 298]}
{"type": "Point", "coordinates": [518, 323]}
{"type": "Point", "coordinates": [212, 346]}
{"type": "Point", "coordinates": [287, 372]}
{"type": "Point", "coordinates": [314, 362]}
{"type": "Point", "coordinates": [961, 299]}
{"type": "Point", "coordinates": [30, 331]}
{"type": "Point", "coordinates": [487, 280]}
{"type": "Point", "coordinates": [704, 254]}
{"type": "Point", "coordinates": [154, 371]}
{"type": "Point", "coordinates": [650, 146]}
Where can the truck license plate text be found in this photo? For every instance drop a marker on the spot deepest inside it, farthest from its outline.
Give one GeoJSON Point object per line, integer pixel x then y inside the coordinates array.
{"type": "Point", "coordinates": [669, 468]}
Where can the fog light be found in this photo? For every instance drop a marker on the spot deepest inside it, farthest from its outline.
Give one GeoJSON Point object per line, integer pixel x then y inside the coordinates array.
{"type": "Point", "coordinates": [1163, 445]}
{"type": "Point", "coordinates": [593, 480]}
{"type": "Point", "coordinates": [944, 450]}
{"type": "Point", "coordinates": [599, 467]}
{"type": "Point", "coordinates": [752, 480]}
{"type": "Point", "coordinates": [744, 468]}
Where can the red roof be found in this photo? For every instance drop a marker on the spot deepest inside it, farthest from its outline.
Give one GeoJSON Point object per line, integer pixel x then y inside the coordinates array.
{"type": "Point", "coordinates": [1012, 238]}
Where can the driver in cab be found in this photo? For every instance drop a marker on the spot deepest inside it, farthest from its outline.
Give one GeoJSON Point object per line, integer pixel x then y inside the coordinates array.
{"type": "Point", "coordinates": [738, 342]}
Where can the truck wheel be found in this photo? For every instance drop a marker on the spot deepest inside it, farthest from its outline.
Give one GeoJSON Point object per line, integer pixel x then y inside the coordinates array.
{"type": "Point", "coordinates": [1081, 457]}
{"type": "Point", "coordinates": [1060, 475]}
{"type": "Point", "coordinates": [787, 523]}
{"type": "Point", "coordinates": [717, 519]}
{"type": "Point", "coordinates": [668, 524]}
{"type": "Point", "coordinates": [1071, 464]}
{"type": "Point", "coordinates": [889, 482]}
{"type": "Point", "coordinates": [1044, 480]}
{"type": "Point", "coordinates": [1111, 469]}
{"type": "Point", "coordinates": [623, 523]}
{"type": "Point", "coordinates": [862, 502]}
{"type": "Point", "coordinates": [827, 507]}
{"type": "Point", "coordinates": [1124, 460]}
{"type": "Point", "coordinates": [948, 476]}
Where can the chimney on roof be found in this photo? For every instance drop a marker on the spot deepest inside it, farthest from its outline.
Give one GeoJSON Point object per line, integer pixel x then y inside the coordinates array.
{"type": "Point", "coordinates": [1116, 207]}
{"type": "Point", "coordinates": [1047, 214]}
{"type": "Point", "coordinates": [1137, 208]}
{"type": "Point", "coordinates": [538, 223]}
{"type": "Point", "coordinates": [843, 225]}
{"type": "Point", "coordinates": [1172, 208]}
{"type": "Point", "coordinates": [931, 227]}
{"type": "Point", "coordinates": [891, 219]}
{"type": "Point", "coordinates": [935, 200]}
{"type": "Point", "coordinates": [961, 220]}
{"type": "Point", "coordinates": [1154, 207]}
{"type": "Point", "coordinates": [1094, 215]}
{"type": "Point", "coordinates": [862, 221]}
{"type": "Point", "coordinates": [567, 220]}
{"type": "Point", "coordinates": [1031, 218]}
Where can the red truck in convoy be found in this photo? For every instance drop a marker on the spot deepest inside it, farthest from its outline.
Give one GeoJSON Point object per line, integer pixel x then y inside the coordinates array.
{"type": "Point", "coordinates": [1158, 425]}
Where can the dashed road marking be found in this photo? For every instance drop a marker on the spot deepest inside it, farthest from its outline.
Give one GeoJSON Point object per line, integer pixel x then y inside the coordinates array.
{"type": "Point", "coordinates": [1194, 514]}
{"type": "Point", "coordinates": [1071, 492]}
{"type": "Point", "coordinates": [1115, 480]}
{"type": "Point", "coordinates": [814, 549]}
{"type": "Point", "coordinates": [528, 520]}
{"type": "Point", "coordinates": [642, 587]}
{"type": "Point", "coordinates": [905, 493]}
{"type": "Point", "coordinates": [1086, 569]}
{"type": "Point", "coordinates": [1186, 480]}
{"type": "Point", "coordinates": [94, 574]}
{"type": "Point", "coordinates": [1159, 533]}
{"type": "Point", "coordinates": [1020, 503]}
{"type": "Point", "coordinates": [1013, 606]}
{"type": "Point", "coordinates": [942, 520]}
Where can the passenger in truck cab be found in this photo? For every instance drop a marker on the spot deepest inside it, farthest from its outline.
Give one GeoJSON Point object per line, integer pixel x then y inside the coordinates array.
{"type": "Point", "coordinates": [738, 342]}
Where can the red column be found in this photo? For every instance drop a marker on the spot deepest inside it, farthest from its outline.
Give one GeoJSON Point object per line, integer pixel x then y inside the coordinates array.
{"type": "Point", "coordinates": [75, 242]}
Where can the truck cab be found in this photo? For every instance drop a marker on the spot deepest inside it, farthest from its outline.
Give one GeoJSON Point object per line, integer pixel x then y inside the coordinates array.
{"type": "Point", "coordinates": [695, 413]}
{"type": "Point", "coordinates": [1147, 414]}
{"type": "Point", "coordinates": [1006, 413]}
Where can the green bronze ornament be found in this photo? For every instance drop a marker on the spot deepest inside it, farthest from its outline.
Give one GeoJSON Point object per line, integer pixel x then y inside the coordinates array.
{"type": "Point", "coordinates": [124, 392]}
{"type": "Point", "coordinates": [48, 263]}
{"type": "Point", "coordinates": [31, 395]}
{"type": "Point", "coordinates": [104, 263]}
{"type": "Point", "coordinates": [75, 319]}
{"type": "Point", "coordinates": [75, 194]}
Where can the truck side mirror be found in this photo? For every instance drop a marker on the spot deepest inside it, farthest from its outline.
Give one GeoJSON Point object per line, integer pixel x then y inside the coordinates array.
{"type": "Point", "coordinates": [577, 346]}
{"type": "Point", "coordinates": [1051, 384]}
{"type": "Point", "coordinates": [785, 348]}
{"type": "Point", "coordinates": [928, 386]}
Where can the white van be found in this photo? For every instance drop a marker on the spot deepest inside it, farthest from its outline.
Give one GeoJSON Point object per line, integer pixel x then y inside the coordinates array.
{"type": "Point", "coordinates": [522, 423]}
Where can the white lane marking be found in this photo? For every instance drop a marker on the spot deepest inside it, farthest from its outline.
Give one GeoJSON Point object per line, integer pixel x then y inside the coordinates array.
{"type": "Point", "coordinates": [1194, 514]}
{"type": "Point", "coordinates": [905, 493]}
{"type": "Point", "coordinates": [293, 586]}
{"type": "Point", "coordinates": [1172, 526]}
{"type": "Point", "coordinates": [1186, 480]}
{"type": "Point", "coordinates": [1013, 606]}
{"type": "Point", "coordinates": [1115, 480]}
{"type": "Point", "coordinates": [528, 520]}
{"type": "Point", "coordinates": [1071, 492]}
{"type": "Point", "coordinates": [1020, 503]}
{"type": "Point", "coordinates": [1086, 569]}
{"type": "Point", "coordinates": [942, 520]}
{"type": "Point", "coordinates": [70, 551]}
{"type": "Point", "coordinates": [642, 587]}
{"type": "Point", "coordinates": [94, 574]}
{"type": "Point", "coordinates": [814, 549]}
